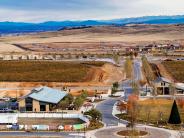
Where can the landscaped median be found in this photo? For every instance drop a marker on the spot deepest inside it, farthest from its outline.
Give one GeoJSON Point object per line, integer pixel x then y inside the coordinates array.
{"type": "Point", "coordinates": [154, 112]}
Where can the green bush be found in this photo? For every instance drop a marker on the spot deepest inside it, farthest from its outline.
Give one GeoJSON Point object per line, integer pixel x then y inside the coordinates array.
{"type": "Point", "coordinates": [78, 102]}
{"type": "Point", "coordinates": [95, 114]}
{"type": "Point", "coordinates": [174, 116]}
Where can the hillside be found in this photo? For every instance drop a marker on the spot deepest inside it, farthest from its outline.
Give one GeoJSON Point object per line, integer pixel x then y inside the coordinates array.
{"type": "Point", "coordinates": [21, 27]}
{"type": "Point", "coordinates": [128, 35]}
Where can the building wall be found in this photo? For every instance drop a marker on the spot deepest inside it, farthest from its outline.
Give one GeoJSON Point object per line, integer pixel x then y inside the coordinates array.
{"type": "Point", "coordinates": [22, 104]}
{"type": "Point", "coordinates": [160, 84]}
{"type": "Point", "coordinates": [36, 106]}
{"type": "Point", "coordinates": [47, 108]}
{"type": "Point", "coordinates": [162, 89]}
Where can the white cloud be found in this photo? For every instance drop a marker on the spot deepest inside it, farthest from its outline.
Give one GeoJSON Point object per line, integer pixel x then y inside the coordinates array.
{"type": "Point", "coordinates": [88, 9]}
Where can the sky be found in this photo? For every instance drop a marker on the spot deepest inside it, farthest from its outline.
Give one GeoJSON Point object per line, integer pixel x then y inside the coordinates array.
{"type": "Point", "coordinates": [59, 10]}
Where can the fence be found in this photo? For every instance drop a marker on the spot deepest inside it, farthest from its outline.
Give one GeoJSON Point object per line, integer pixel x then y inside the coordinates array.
{"type": "Point", "coordinates": [12, 118]}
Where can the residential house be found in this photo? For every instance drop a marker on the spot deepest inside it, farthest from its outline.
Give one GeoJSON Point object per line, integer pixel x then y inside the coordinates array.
{"type": "Point", "coordinates": [41, 99]}
{"type": "Point", "coordinates": [162, 86]}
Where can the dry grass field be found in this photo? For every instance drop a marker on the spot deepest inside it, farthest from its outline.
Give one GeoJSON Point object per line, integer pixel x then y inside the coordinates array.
{"type": "Point", "coordinates": [176, 69]}
{"type": "Point", "coordinates": [47, 121]}
{"type": "Point", "coordinates": [43, 71]}
{"type": "Point", "coordinates": [4, 47]}
{"type": "Point", "coordinates": [153, 111]}
{"type": "Point", "coordinates": [122, 35]}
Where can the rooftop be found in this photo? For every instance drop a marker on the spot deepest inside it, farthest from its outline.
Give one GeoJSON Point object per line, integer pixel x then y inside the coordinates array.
{"type": "Point", "coordinates": [180, 86]}
{"type": "Point", "coordinates": [46, 94]}
{"type": "Point", "coordinates": [162, 79]}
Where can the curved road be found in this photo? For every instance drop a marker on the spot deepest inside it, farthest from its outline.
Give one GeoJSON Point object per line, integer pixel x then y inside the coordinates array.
{"type": "Point", "coordinates": [106, 106]}
{"type": "Point", "coordinates": [111, 122]}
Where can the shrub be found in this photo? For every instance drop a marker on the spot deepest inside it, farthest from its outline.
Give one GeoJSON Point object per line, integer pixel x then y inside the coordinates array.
{"type": "Point", "coordinates": [174, 116]}
{"type": "Point", "coordinates": [95, 114]}
{"type": "Point", "coordinates": [78, 102]}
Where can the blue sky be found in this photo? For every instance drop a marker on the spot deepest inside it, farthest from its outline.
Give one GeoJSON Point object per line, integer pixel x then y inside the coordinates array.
{"type": "Point", "coordinates": [59, 10]}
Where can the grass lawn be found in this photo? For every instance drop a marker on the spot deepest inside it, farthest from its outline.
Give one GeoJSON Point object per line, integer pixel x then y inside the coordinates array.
{"type": "Point", "coordinates": [176, 69]}
{"type": "Point", "coordinates": [45, 71]}
{"type": "Point", "coordinates": [151, 111]}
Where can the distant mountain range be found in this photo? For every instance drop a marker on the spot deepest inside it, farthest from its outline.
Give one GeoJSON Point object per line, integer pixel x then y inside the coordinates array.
{"type": "Point", "coordinates": [20, 27]}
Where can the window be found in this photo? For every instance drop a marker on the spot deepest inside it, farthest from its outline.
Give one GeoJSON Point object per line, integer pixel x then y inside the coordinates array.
{"type": "Point", "coordinates": [29, 104]}
{"type": "Point", "coordinates": [42, 107]}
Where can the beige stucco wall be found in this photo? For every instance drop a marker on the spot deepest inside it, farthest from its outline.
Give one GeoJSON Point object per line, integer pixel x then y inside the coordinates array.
{"type": "Point", "coordinates": [47, 108]}
{"type": "Point", "coordinates": [22, 103]}
{"type": "Point", "coordinates": [36, 106]}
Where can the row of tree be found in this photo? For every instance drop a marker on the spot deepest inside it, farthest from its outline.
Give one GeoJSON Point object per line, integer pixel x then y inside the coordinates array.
{"type": "Point", "coordinates": [128, 68]}
{"type": "Point", "coordinates": [150, 76]}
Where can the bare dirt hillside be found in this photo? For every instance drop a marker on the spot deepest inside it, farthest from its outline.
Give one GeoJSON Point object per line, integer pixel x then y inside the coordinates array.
{"type": "Point", "coordinates": [106, 74]}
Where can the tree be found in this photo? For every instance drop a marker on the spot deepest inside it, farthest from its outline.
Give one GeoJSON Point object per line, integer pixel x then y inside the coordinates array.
{"type": "Point", "coordinates": [150, 76]}
{"type": "Point", "coordinates": [135, 88]}
{"type": "Point", "coordinates": [63, 104]}
{"type": "Point", "coordinates": [180, 103]}
{"type": "Point", "coordinates": [78, 102]}
{"type": "Point", "coordinates": [95, 114]}
{"type": "Point", "coordinates": [128, 68]}
{"type": "Point", "coordinates": [174, 116]}
{"type": "Point", "coordinates": [122, 106]}
{"type": "Point", "coordinates": [133, 109]}
{"type": "Point", "coordinates": [70, 98]}
{"type": "Point", "coordinates": [84, 94]}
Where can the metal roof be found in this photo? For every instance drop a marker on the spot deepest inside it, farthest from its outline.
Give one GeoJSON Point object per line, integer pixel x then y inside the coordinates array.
{"type": "Point", "coordinates": [162, 79]}
{"type": "Point", "coordinates": [180, 86]}
{"type": "Point", "coordinates": [46, 94]}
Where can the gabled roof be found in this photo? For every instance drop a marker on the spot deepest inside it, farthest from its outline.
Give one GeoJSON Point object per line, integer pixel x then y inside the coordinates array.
{"type": "Point", "coordinates": [162, 79]}
{"type": "Point", "coordinates": [46, 94]}
{"type": "Point", "coordinates": [180, 86]}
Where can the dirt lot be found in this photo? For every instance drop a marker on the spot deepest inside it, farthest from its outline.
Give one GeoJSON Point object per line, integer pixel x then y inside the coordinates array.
{"type": "Point", "coordinates": [49, 121]}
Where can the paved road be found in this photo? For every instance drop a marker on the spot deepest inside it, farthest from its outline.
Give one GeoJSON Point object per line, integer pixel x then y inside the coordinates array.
{"type": "Point", "coordinates": [137, 70]}
{"type": "Point", "coordinates": [106, 108]}
{"type": "Point", "coordinates": [41, 134]}
{"type": "Point", "coordinates": [137, 75]}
